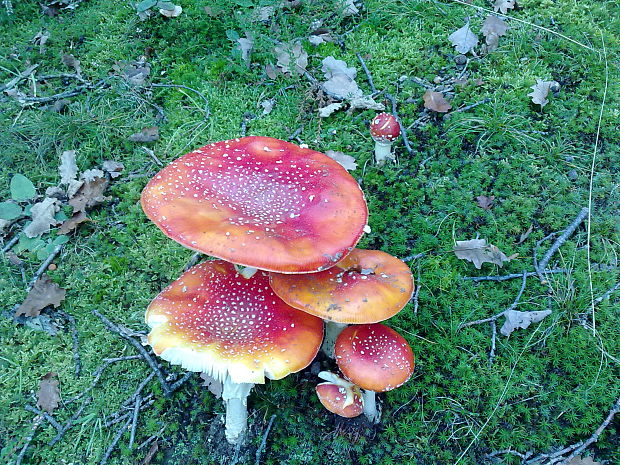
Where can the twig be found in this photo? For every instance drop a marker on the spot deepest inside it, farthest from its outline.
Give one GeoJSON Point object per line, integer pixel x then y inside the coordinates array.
{"type": "Point", "coordinates": [507, 277]}
{"type": "Point", "coordinates": [134, 421]}
{"type": "Point", "coordinates": [11, 243]}
{"type": "Point", "coordinates": [75, 341]}
{"type": "Point", "coordinates": [50, 258]}
{"type": "Point", "coordinates": [416, 294]}
{"type": "Point", "coordinates": [599, 299]}
{"type": "Point", "coordinates": [409, 258]}
{"type": "Point", "coordinates": [493, 338]}
{"type": "Point", "coordinates": [296, 133]}
{"type": "Point", "coordinates": [368, 75]}
{"type": "Point", "coordinates": [51, 420]}
{"type": "Point", "coordinates": [403, 130]}
{"type": "Point", "coordinates": [66, 94]}
{"type": "Point", "coordinates": [36, 421]}
{"type": "Point", "coordinates": [507, 451]}
{"type": "Point", "coordinates": [176, 385]}
{"type": "Point", "coordinates": [247, 117]}
{"type": "Point", "coordinates": [67, 426]}
{"type": "Point", "coordinates": [152, 363]}
{"type": "Point", "coordinates": [117, 437]}
{"type": "Point", "coordinates": [206, 110]}
{"type": "Point", "coordinates": [535, 255]}
{"type": "Point", "coordinates": [25, 74]}
{"type": "Point", "coordinates": [560, 240]}
{"type": "Point", "coordinates": [469, 107]}
{"type": "Point", "coordinates": [263, 442]}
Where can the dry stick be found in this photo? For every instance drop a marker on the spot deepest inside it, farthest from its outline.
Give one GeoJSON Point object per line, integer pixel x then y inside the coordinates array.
{"type": "Point", "coordinates": [25, 74]}
{"type": "Point", "coordinates": [263, 442]}
{"type": "Point", "coordinates": [176, 385]}
{"type": "Point", "coordinates": [66, 94]}
{"type": "Point", "coordinates": [409, 258]}
{"type": "Point", "coordinates": [469, 107]}
{"type": "Point", "coordinates": [51, 420]}
{"type": "Point", "coordinates": [560, 240]}
{"type": "Point", "coordinates": [507, 451]}
{"type": "Point", "coordinates": [50, 258]}
{"type": "Point", "coordinates": [535, 256]}
{"type": "Point", "coordinates": [206, 110]}
{"type": "Point", "coordinates": [599, 299]}
{"type": "Point", "coordinates": [117, 438]}
{"type": "Point", "coordinates": [36, 421]}
{"type": "Point", "coordinates": [368, 75]}
{"type": "Point", "coordinates": [403, 130]}
{"type": "Point", "coordinates": [296, 133]}
{"type": "Point", "coordinates": [11, 243]}
{"type": "Point", "coordinates": [478, 279]}
{"type": "Point", "coordinates": [493, 338]}
{"type": "Point", "coordinates": [152, 363]}
{"type": "Point", "coordinates": [67, 426]}
{"type": "Point", "coordinates": [134, 421]}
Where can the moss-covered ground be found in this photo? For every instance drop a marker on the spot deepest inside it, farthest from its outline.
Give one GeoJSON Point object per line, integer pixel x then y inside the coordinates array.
{"type": "Point", "coordinates": [549, 385]}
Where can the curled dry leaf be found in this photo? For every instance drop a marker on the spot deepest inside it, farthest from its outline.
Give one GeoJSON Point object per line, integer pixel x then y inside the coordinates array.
{"type": "Point", "coordinates": [492, 29]}
{"type": "Point", "coordinates": [150, 134]}
{"type": "Point", "coordinates": [73, 222]}
{"type": "Point", "coordinates": [320, 36]}
{"type": "Point", "coordinates": [504, 5]}
{"type": "Point", "coordinates": [478, 252]}
{"type": "Point", "coordinates": [349, 8]}
{"type": "Point", "coordinates": [347, 161]}
{"type": "Point", "coordinates": [340, 79]}
{"type": "Point", "coordinates": [268, 105]}
{"type": "Point", "coordinates": [245, 45]}
{"type": "Point", "coordinates": [365, 103]}
{"type": "Point", "coordinates": [72, 62]}
{"type": "Point", "coordinates": [435, 101]}
{"type": "Point", "coordinates": [68, 167]}
{"type": "Point", "coordinates": [48, 396]}
{"type": "Point", "coordinates": [329, 109]}
{"type": "Point", "coordinates": [113, 168]}
{"type": "Point", "coordinates": [271, 71]}
{"type": "Point", "coordinates": [463, 39]}
{"type": "Point", "coordinates": [89, 195]}
{"type": "Point", "coordinates": [42, 214]}
{"type": "Point", "coordinates": [173, 13]}
{"type": "Point", "coordinates": [41, 39]}
{"type": "Point", "coordinates": [516, 320]}
{"type": "Point", "coordinates": [44, 292]}
{"type": "Point", "coordinates": [484, 202]}
{"type": "Point", "coordinates": [292, 58]}
{"type": "Point", "coordinates": [135, 73]}
{"type": "Point", "coordinates": [540, 91]}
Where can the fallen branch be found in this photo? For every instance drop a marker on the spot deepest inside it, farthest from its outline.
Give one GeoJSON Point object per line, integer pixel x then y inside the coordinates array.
{"type": "Point", "coordinates": [36, 421]}
{"type": "Point", "coordinates": [134, 421]}
{"type": "Point", "coordinates": [50, 419]}
{"type": "Point", "coordinates": [11, 243]}
{"type": "Point", "coordinates": [263, 442]}
{"type": "Point", "coordinates": [367, 72]}
{"type": "Point", "coordinates": [26, 101]}
{"type": "Point", "coordinates": [67, 426]}
{"type": "Point", "coordinates": [112, 446]}
{"type": "Point", "coordinates": [50, 258]}
{"type": "Point", "coordinates": [25, 74]}
{"type": "Point", "coordinates": [152, 363]}
{"type": "Point", "coordinates": [507, 277]}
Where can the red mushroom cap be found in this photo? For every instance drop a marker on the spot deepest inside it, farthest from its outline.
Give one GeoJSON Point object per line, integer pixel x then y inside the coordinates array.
{"type": "Point", "coordinates": [384, 128]}
{"type": "Point", "coordinates": [212, 320]}
{"type": "Point", "coordinates": [366, 286]}
{"type": "Point", "coordinates": [259, 202]}
{"type": "Point", "coordinates": [375, 357]}
{"type": "Point", "coordinates": [343, 401]}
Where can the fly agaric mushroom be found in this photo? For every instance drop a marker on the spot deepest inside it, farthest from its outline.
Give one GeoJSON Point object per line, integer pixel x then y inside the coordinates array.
{"type": "Point", "coordinates": [259, 202]}
{"type": "Point", "coordinates": [376, 358]}
{"type": "Point", "coordinates": [235, 330]}
{"type": "Point", "coordinates": [339, 396]}
{"type": "Point", "coordinates": [367, 286]}
{"type": "Point", "coordinates": [384, 129]}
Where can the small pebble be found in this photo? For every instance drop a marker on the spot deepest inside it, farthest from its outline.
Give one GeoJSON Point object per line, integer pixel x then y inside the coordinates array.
{"type": "Point", "coordinates": [52, 267]}
{"type": "Point", "coordinates": [460, 60]}
{"type": "Point", "coordinates": [572, 175]}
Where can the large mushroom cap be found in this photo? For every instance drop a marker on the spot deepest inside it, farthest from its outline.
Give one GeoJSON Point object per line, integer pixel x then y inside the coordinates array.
{"type": "Point", "coordinates": [212, 320]}
{"type": "Point", "coordinates": [259, 202]}
{"type": "Point", "coordinates": [375, 357]}
{"type": "Point", "coordinates": [366, 286]}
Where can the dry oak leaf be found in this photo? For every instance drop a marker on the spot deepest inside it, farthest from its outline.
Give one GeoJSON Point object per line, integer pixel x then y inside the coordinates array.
{"type": "Point", "coordinates": [504, 5]}
{"type": "Point", "coordinates": [540, 91]}
{"type": "Point", "coordinates": [292, 58]}
{"type": "Point", "coordinates": [150, 134]}
{"type": "Point", "coordinates": [89, 195]}
{"type": "Point", "coordinates": [478, 252]}
{"type": "Point", "coordinates": [435, 101]}
{"type": "Point", "coordinates": [48, 396]}
{"type": "Point", "coordinates": [463, 39]}
{"type": "Point", "coordinates": [492, 29]}
{"type": "Point", "coordinates": [113, 168]}
{"type": "Point", "coordinates": [73, 222]}
{"type": "Point", "coordinates": [44, 292]}
{"type": "Point", "coordinates": [72, 62]}
{"type": "Point", "coordinates": [42, 214]}
{"type": "Point", "coordinates": [347, 161]}
{"type": "Point", "coordinates": [579, 460]}
{"type": "Point", "coordinates": [516, 319]}
{"type": "Point", "coordinates": [484, 202]}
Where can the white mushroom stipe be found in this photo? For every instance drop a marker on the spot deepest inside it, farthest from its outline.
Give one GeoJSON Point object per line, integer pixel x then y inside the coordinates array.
{"type": "Point", "coordinates": [332, 330]}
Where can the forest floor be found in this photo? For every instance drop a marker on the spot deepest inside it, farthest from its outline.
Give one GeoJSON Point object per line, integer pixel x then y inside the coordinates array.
{"type": "Point", "coordinates": [508, 163]}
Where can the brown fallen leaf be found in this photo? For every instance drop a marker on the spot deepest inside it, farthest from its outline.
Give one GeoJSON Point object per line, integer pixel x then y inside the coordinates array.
{"type": "Point", "coordinates": [484, 202]}
{"type": "Point", "coordinates": [89, 195]}
{"type": "Point", "coordinates": [478, 252]}
{"type": "Point", "coordinates": [41, 39]}
{"type": "Point", "coordinates": [44, 292]}
{"type": "Point", "coordinates": [347, 161]}
{"type": "Point", "coordinates": [435, 101]}
{"type": "Point", "coordinates": [215, 386]}
{"type": "Point", "coordinates": [48, 396]}
{"type": "Point", "coordinates": [504, 5]}
{"type": "Point", "coordinates": [113, 168]}
{"type": "Point", "coordinates": [72, 62]}
{"type": "Point", "coordinates": [526, 234]}
{"type": "Point", "coordinates": [516, 320]}
{"type": "Point", "coordinates": [42, 214]}
{"type": "Point", "coordinates": [150, 134]}
{"type": "Point", "coordinates": [135, 73]}
{"type": "Point", "coordinates": [492, 29]}
{"type": "Point", "coordinates": [292, 58]}
{"type": "Point", "coordinates": [540, 91]}
{"type": "Point", "coordinates": [73, 222]}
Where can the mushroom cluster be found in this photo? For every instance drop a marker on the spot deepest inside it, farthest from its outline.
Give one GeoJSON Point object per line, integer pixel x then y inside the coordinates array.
{"type": "Point", "coordinates": [295, 215]}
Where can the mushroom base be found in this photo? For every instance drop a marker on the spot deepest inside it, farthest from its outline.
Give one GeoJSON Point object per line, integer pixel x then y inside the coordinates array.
{"type": "Point", "coordinates": [383, 152]}
{"type": "Point", "coordinates": [370, 406]}
{"type": "Point", "coordinates": [235, 397]}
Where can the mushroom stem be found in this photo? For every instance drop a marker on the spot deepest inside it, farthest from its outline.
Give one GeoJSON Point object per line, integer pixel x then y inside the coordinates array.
{"type": "Point", "coordinates": [383, 151]}
{"type": "Point", "coordinates": [332, 330]}
{"type": "Point", "coordinates": [246, 271]}
{"type": "Point", "coordinates": [370, 406]}
{"type": "Point", "coordinates": [235, 397]}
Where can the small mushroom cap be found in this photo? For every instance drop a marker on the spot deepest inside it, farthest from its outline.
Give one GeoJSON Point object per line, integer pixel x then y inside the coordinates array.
{"type": "Point", "coordinates": [375, 357]}
{"type": "Point", "coordinates": [259, 202]}
{"type": "Point", "coordinates": [343, 401]}
{"type": "Point", "coordinates": [366, 286]}
{"type": "Point", "coordinates": [213, 320]}
{"type": "Point", "coordinates": [384, 128]}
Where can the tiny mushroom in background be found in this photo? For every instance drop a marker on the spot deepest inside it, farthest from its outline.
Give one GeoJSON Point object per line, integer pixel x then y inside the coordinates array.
{"type": "Point", "coordinates": [375, 358]}
{"type": "Point", "coordinates": [384, 129]}
{"type": "Point", "coordinates": [235, 330]}
{"type": "Point", "coordinates": [259, 202]}
{"type": "Point", "coordinates": [367, 286]}
{"type": "Point", "coordinates": [339, 396]}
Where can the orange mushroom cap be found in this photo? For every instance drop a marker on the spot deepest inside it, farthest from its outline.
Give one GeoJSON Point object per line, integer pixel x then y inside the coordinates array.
{"type": "Point", "coordinates": [212, 320]}
{"type": "Point", "coordinates": [366, 286]}
{"type": "Point", "coordinates": [343, 400]}
{"type": "Point", "coordinates": [375, 357]}
{"type": "Point", "coordinates": [259, 202]}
